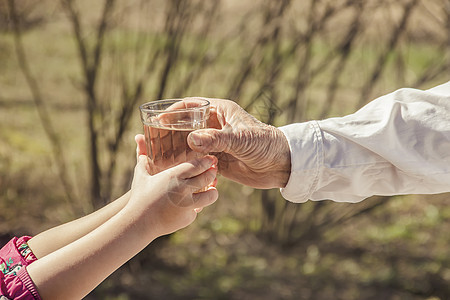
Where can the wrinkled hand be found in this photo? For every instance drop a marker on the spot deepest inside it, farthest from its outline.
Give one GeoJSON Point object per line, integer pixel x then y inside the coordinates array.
{"type": "Point", "coordinates": [170, 198]}
{"type": "Point", "coordinates": [249, 151]}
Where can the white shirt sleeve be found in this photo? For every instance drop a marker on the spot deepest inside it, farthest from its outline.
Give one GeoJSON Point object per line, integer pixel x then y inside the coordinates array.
{"type": "Point", "coordinates": [396, 144]}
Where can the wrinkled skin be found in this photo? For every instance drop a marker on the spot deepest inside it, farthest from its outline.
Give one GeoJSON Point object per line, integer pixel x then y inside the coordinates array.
{"type": "Point", "coordinates": [249, 152]}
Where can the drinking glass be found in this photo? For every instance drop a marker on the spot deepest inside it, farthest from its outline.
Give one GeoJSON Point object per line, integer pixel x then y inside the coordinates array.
{"type": "Point", "coordinates": [167, 123]}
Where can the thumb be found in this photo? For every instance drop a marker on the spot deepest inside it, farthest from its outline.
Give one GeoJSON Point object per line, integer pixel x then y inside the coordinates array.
{"type": "Point", "coordinates": [141, 162]}
{"type": "Point", "coordinates": [210, 140]}
{"type": "Point", "coordinates": [141, 165]}
{"type": "Point", "coordinates": [140, 145]}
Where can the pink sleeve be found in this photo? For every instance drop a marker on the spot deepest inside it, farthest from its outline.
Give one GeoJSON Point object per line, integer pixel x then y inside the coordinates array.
{"type": "Point", "coordinates": [15, 283]}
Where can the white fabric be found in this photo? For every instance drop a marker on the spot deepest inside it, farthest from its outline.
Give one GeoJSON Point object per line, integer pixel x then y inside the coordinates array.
{"type": "Point", "coordinates": [396, 144]}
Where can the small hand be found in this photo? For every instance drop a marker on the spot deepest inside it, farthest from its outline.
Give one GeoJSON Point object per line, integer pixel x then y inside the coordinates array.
{"type": "Point", "coordinates": [170, 197]}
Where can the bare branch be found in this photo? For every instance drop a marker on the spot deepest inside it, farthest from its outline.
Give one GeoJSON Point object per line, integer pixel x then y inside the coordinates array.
{"type": "Point", "coordinates": [41, 107]}
{"type": "Point", "coordinates": [90, 61]}
{"type": "Point", "coordinates": [381, 62]}
{"type": "Point", "coordinates": [344, 49]}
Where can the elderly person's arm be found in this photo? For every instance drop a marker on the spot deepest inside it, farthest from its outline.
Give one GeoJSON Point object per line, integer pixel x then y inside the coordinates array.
{"type": "Point", "coordinates": [397, 144]}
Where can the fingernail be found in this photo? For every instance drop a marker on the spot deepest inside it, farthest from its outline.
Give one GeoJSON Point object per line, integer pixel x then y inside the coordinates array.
{"type": "Point", "coordinates": [196, 139]}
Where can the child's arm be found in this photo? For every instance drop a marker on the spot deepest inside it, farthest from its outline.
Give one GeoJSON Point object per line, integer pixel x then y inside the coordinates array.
{"type": "Point", "coordinates": [60, 236]}
{"type": "Point", "coordinates": [158, 205]}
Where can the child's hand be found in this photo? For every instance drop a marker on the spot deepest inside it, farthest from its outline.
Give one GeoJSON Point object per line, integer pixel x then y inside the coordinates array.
{"type": "Point", "coordinates": [169, 199]}
{"type": "Point", "coordinates": [140, 145]}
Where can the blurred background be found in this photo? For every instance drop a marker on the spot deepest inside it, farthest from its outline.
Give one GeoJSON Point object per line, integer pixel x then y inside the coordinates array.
{"type": "Point", "coordinates": [73, 73]}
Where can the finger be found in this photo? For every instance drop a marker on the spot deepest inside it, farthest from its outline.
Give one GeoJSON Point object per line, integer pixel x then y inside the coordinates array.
{"type": "Point", "coordinates": [211, 140]}
{"type": "Point", "coordinates": [179, 112]}
{"type": "Point", "coordinates": [141, 165]}
{"type": "Point", "coordinates": [140, 145]}
{"type": "Point", "coordinates": [214, 183]}
{"type": "Point", "coordinates": [189, 102]}
{"type": "Point", "coordinates": [203, 180]}
{"type": "Point", "coordinates": [194, 167]}
{"type": "Point", "coordinates": [206, 198]}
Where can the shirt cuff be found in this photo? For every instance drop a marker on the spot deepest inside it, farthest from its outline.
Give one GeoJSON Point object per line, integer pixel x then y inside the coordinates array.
{"type": "Point", "coordinates": [306, 145]}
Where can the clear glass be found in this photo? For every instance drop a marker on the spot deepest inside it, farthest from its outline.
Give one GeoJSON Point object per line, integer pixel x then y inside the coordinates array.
{"type": "Point", "coordinates": [167, 123]}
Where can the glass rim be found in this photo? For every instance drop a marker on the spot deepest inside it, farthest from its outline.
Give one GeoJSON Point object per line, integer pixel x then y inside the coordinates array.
{"type": "Point", "coordinates": [174, 100]}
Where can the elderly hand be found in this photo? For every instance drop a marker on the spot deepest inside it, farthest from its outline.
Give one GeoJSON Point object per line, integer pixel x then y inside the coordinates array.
{"type": "Point", "coordinates": [249, 151]}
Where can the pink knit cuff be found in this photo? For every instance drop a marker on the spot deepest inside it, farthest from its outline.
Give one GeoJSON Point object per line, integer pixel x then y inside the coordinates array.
{"type": "Point", "coordinates": [15, 282]}
{"type": "Point", "coordinates": [28, 283]}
